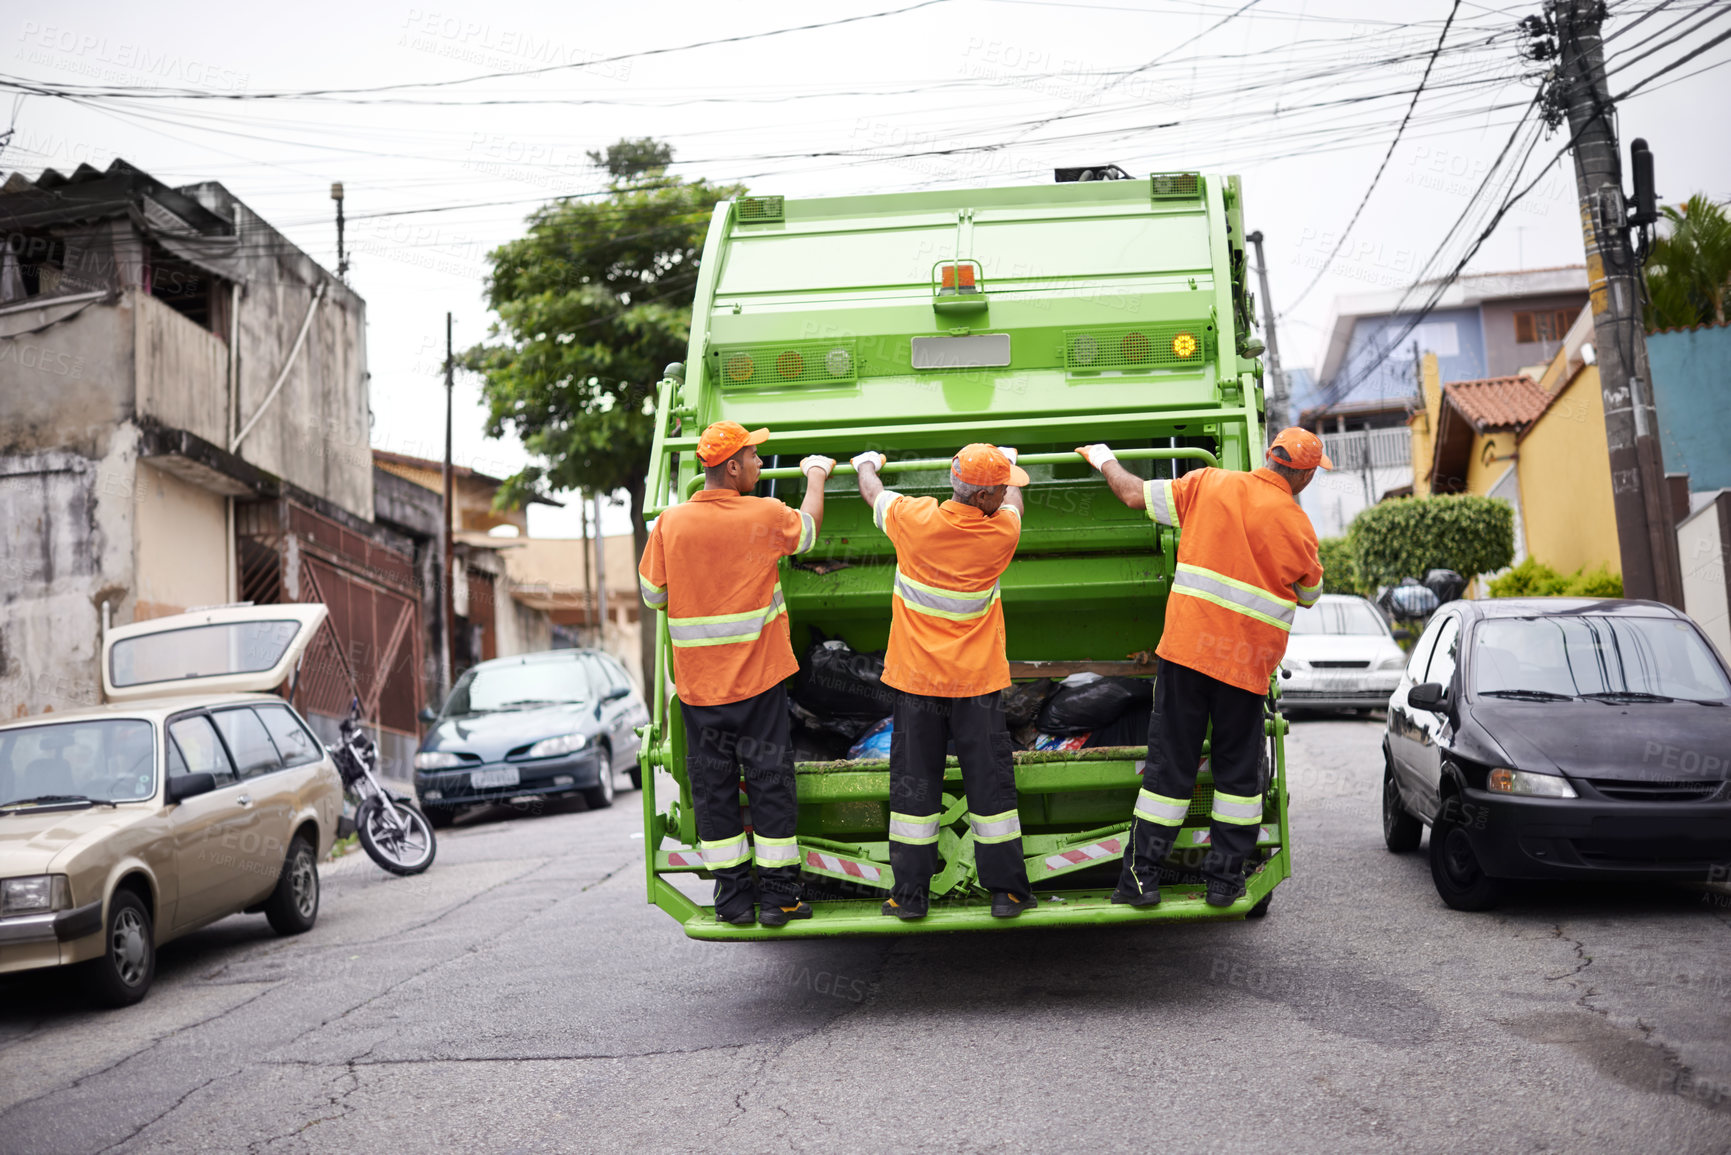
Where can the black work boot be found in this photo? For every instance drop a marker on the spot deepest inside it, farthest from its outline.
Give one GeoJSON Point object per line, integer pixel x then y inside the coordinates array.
{"type": "Point", "coordinates": [775, 915]}
{"type": "Point", "coordinates": [1223, 893]}
{"type": "Point", "coordinates": [1124, 897]}
{"type": "Point", "coordinates": [1007, 905]}
{"type": "Point", "coordinates": [906, 909]}
{"type": "Point", "coordinates": [742, 918]}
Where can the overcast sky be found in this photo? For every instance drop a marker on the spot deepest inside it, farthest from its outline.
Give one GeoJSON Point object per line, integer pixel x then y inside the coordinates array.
{"type": "Point", "coordinates": [1301, 98]}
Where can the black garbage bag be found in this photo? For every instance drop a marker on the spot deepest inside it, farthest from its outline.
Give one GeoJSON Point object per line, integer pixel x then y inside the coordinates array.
{"type": "Point", "coordinates": [1446, 584]}
{"type": "Point", "coordinates": [826, 731]}
{"type": "Point", "coordinates": [1022, 701]}
{"type": "Point", "coordinates": [1086, 702]}
{"type": "Point", "coordinates": [836, 681]}
{"type": "Point", "coordinates": [1131, 728]}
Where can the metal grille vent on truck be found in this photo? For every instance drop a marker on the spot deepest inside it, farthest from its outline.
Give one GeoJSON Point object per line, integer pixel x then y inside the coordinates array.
{"type": "Point", "coordinates": [1171, 346]}
{"type": "Point", "coordinates": [1175, 186]}
{"type": "Point", "coordinates": [758, 210]}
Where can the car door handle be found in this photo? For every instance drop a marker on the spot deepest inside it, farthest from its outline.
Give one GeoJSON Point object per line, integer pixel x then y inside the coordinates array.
{"type": "Point", "coordinates": [244, 800]}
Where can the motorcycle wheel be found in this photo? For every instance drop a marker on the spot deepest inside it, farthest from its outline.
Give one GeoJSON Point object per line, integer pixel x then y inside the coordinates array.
{"type": "Point", "coordinates": [404, 845]}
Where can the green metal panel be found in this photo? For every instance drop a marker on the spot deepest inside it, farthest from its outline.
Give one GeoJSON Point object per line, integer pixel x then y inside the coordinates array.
{"type": "Point", "coordinates": [1124, 308]}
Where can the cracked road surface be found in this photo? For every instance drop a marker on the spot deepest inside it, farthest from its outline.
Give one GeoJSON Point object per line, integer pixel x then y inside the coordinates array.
{"type": "Point", "coordinates": [521, 996]}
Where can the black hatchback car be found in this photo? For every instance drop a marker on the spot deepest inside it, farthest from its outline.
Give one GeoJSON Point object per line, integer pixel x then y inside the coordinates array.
{"type": "Point", "coordinates": [553, 724]}
{"type": "Point", "coordinates": [1559, 738]}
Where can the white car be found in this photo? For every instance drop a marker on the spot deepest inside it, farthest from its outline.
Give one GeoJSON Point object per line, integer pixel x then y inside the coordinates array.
{"type": "Point", "coordinates": [190, 796]}
{"type": "Point", "coordinates": [1341, 656]}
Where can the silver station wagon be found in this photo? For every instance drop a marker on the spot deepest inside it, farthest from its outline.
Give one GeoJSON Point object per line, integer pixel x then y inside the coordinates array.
{"type": "Point", "coordinates": [191, 795]}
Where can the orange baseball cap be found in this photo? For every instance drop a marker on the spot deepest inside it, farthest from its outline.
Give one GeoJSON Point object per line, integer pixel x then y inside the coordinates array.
{"type": "Point", "coordinates": [1303, 447]}
{"type": "Point", "coordinates": [981, 464]}
{"type": "Point", "coordinates": [725, 438]}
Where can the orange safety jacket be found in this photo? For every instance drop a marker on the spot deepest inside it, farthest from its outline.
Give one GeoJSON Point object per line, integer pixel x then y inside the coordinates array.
{"type": "Point", "coordinates": [946, 618]}
{"type": "Point", "coordinates": [711, 566]}
{"type": "Point", "coordinates": [1247, 561]}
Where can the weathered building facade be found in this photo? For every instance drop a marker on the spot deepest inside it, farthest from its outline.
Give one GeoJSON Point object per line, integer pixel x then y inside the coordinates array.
{"type": "Point", "coordinates": [184, 421]}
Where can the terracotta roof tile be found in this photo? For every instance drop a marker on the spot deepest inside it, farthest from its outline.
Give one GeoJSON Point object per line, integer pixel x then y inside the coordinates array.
{"type": "Point", "coordinates": [1499, 402]}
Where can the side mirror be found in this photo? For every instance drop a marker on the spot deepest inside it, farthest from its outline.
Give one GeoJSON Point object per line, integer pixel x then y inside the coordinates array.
{"type": "Point", "coordinates": [1427, 696]}
{"type": "Point", "coordinates": [1402, 634]}
{"type": "Point", "coordinates": [184, 786]}
{"type": "Point", "coordinates": [428, 715]}
{"type": "Point", "coordinates": [616, 693]}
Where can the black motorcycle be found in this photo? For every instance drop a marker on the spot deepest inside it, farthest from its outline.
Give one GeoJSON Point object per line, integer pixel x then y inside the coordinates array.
{"type": "Point", "coordinates": [393, 831]}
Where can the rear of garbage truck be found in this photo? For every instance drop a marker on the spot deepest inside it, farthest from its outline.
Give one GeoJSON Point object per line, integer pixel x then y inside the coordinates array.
{"type": "Point", "coordinates": [1041, 317]}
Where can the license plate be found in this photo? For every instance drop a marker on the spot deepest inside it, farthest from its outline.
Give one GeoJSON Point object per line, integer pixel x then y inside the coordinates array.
{"type": "Point", "coordinates": [978, 351]}
{"type": "Point", "coordinates": [488, 779]}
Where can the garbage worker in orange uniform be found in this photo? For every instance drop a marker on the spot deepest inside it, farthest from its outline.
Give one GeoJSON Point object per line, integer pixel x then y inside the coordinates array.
{"type": "Point", "coordinates": [946, 656]}
{"type": "Point", "coordinates": [1247, 561]}
{"type": "Point", "coordinates": [711, 566]}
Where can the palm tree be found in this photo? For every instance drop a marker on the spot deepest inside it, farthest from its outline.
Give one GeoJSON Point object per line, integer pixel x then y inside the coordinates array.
{"type": "Point", "coordinates": [1689, 270]}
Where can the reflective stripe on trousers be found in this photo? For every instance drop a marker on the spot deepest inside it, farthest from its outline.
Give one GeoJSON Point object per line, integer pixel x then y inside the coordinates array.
{"type": "Point", "coordinates": [1240, 597]}
{"type": "Point", "coordinates": [725, 851]}
{"type": "Point", "coordinates": [1237, 809]}
{"type": "Point", "coordinates": [775, 851]}
{"type": "Point", "coordinates": [914, 829]}
{"type": "Point", "coordinates": [1161, 809]}
{"type": "Point", "coordinates": [996, 827]}
{"type": "Point", "coordinates": [956, 605]}
{"type": "Point", "coordinates": [724, 629]}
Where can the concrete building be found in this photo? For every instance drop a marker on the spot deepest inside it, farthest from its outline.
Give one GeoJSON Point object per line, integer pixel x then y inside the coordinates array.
{"type": "Point", "coordinates": [559, 575]}
{"type": "Point", "coordinates": [1484, 326]}
{"type": "Point", "coordinates": [184, 421]}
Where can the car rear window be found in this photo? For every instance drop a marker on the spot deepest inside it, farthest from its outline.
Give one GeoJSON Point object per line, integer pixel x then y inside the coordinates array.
{"type": "Point", "coordinates": [200, 652]}
{"type": "Point", "coordinates": [1596, 654]}
{"type": "Point", "coordinates": [293, 742]}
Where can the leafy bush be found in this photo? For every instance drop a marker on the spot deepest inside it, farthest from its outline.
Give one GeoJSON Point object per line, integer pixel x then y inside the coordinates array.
{"type": "Point", "coordinates": [1339, 570]}
{"type": "Point", "coordinates": [1404, 538]}
{"type": "Point", "coordinates": [1534, 579]}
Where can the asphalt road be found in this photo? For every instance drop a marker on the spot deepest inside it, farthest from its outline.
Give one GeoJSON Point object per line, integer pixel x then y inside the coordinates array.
{"type": "Point", "coordinates": [522, 996]}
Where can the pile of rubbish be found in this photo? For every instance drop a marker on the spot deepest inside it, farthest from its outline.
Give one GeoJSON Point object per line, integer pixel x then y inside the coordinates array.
{"type": "Point", "coordinates": [841, 709]}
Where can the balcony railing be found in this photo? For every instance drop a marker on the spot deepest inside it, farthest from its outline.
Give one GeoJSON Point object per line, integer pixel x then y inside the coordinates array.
{"type": "Point", "coordinates": [1372, 448]}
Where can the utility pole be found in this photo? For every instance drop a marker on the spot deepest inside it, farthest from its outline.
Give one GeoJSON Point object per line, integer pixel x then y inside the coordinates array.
{"type": "Point", "coordinates": [342, 256]}
{"type": "Point", "coordinates": [1275, 403]}
{"type": "Point", "coordinates": [588, 576]}
{"type": "Point", "coordinates": [449, 601]}
{"type": "Point", "coordinates": [1646, 529]}
{"type": "Point", "coordinates": [600, 577]}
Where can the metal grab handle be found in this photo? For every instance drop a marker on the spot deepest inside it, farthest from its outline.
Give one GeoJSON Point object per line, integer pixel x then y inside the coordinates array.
{"type": "Point", "coordinates": [1181, 453]}
{"type": "Point", "coordinates": [244, 800]}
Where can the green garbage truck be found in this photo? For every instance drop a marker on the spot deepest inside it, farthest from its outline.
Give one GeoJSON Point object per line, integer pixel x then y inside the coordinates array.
{"type": "Point", "coordinates": [1042, 317]}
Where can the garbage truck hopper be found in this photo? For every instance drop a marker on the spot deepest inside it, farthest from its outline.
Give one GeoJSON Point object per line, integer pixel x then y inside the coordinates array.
{"type": "Point", "coordinates": [1042, 317]}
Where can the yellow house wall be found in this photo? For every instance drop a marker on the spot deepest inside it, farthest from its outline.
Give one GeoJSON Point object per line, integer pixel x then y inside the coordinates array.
{"type": "Point", "coordinates": [1481, 477]}
{"type": "Point", "coordinates": [1423, 425]}
{"type": "Point", "coordinates": [1565, 482]}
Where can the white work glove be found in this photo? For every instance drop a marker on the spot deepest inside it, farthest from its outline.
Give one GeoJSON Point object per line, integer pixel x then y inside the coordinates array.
{"type": "Point", "coordinates": [870, 457]}
{"type": "Point", "coordinates": [1097, 454]}
{"type": "Point", "coordinates": [1008, 452]}
{"type": "Point", "coordinates": [817, 461]}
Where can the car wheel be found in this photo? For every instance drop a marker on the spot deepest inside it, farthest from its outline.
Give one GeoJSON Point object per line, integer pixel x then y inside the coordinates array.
{"type": "Point", "coordinates": [124, 973]}
{"type": "Point", "coordinates": [1400, 831]}
{"type": "Point", "coordinates": [600, 795]}
{"type": "Point", "coordinates": [1455, 869]}
{"type": "Point", "coordinates": [293, 906]}
{"type": "Point", "coordinates": [439, 816]}
{"type": "Point", "coordinates": [636, 777]}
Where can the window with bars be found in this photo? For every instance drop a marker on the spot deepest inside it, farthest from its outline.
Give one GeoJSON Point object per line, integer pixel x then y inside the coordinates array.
{"type": "Point", "coordinates": [1543, 325]}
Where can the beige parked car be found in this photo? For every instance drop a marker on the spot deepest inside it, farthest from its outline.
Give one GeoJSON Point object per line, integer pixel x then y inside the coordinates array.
{"type": "Point", "coordinates": [192, 795]}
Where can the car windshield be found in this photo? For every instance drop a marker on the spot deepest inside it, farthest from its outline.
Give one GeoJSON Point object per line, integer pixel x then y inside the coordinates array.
{"type": "Point", "coordinates": [109, 760]}
{"type": "Point", "coordinates": [512, 687]}
{"type": "Point", "coordinates": [1596, 654]}
{"type": "Point", "coordinates": [1354, 618]}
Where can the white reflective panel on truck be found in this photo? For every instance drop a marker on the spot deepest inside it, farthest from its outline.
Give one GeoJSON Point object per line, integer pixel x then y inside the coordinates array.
{"type": "Point", "coordinates": [976, 351]}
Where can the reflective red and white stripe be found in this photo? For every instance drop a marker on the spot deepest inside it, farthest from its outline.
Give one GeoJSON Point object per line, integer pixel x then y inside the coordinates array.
{"type": "Point", "coordinates": [684, 858]}
{"type": "Point", "coordinates": [847, 867]}
{"type": "Point", "coordinates": [1108, 848]}
{"type": "Point", "coordinates": [1263, 834]}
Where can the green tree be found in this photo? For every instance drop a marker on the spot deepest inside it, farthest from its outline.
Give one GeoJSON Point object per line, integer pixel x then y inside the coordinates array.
{"type": "Point", "coordinates": [1463, 532]}
{"type": "Point", "coordinates": [1689, 269]}
{"type": "Point", "coordinates": [1339, 567]}
{"type": "Point", "coordinates": [593, 302]}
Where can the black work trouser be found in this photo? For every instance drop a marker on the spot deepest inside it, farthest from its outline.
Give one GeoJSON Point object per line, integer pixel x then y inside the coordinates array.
{"type": "Point", "coordinates": [1185, 702]}
{"type": "Point", "coordinates": [924, 726]}
{"type": "Point", "coordinates": [721, 741]}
